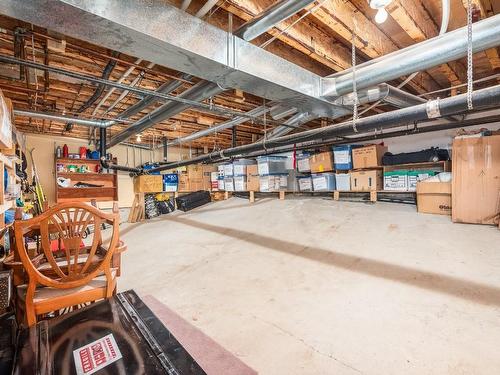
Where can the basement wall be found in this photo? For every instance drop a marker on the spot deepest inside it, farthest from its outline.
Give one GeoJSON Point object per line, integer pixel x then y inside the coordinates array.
{"type": "Point", "coordinates": [44, 155]}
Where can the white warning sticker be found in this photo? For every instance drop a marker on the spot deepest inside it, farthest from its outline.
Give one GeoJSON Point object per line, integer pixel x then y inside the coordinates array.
{"type": "Point", "coordinates": [96, 355]}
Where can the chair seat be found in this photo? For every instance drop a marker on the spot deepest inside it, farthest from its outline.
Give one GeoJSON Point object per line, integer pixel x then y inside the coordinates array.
{"type": "Point", "coordinates": [47, 293]}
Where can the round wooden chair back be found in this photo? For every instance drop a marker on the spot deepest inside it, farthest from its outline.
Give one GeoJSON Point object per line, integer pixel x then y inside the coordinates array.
{"type": "Point", "coordinates": [67, 225]}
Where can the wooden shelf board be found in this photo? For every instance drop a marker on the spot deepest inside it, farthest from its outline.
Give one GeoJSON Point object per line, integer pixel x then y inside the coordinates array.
{"type": "Point", "coordinates": [83, 161]}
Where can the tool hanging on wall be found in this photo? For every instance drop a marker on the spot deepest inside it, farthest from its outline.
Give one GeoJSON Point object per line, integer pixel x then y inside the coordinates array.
{"type": "Point", "coordinates": [39, 197]}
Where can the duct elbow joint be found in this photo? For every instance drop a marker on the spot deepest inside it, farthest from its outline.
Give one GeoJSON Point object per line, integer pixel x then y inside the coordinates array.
{"type": "Point", "coordinates": [328, 88]}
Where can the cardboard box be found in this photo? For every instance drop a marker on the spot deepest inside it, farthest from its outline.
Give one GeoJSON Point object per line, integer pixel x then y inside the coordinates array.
{"type": "Point", "coordinates": [187, 184]}
{"type": "Point", "coordinates": [476, 180]}
{"type": "Point", "coordinates": [253, 178]}
{"type": "Point", "coordinates": [366, 180]}
{"type": "Point", "coordinates": [195, 171]}
{"type": "Point", "coordinates": [322, 162]}
{"type": "Point", "coordinates": [368, 156]}
{"type": "Point", "coordinates": [434, 198]}
{"type": "Point", "coordinates": [148, 184]}
{"type": "Point", "coordinates": [207, 171]}
{"type": "Point", "coordinates": [342, 157]}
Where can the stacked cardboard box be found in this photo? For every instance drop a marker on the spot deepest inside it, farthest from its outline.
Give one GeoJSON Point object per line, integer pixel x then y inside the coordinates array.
{"type": "Point", "coordinates": [368, 156]}
{"type": "Point", "coordinates": [253, 178]}
{"type": "Point", "coordinates": [148, 184]}
{"type": "Point", "coordinates": [322, 162]}
{"type": "Point", "coordinates": [192, 179]}
{"type": "Point", "coordinates": [367, 180]}
{"type": "Point", "coordinates": [207, 171]}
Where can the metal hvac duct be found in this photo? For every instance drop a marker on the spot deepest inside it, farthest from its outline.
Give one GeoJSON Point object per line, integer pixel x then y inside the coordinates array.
{"type": "Point", "coordinates": [259, 111]}
{"type": "Point", "coordinates": [482, 99]}
{"type": "Point", "coordinates": [166, 88]}
{"type": "Point", "coordinates": [248, 31]}
{"type": "Point", "coordinates": [293, 122]}
{"type": "Point", "coordinates": [441, 49]}
{"type": "Point", "coordinates": [75, 120]}
{"type": "Point", "coordinates": [161, 33]}
{"type": "Point", "coordinates": [389, 94]}
{"type": "Point", "coordinates": [270, 17]}
{"type": "Point", "coordinates": [198, 92]}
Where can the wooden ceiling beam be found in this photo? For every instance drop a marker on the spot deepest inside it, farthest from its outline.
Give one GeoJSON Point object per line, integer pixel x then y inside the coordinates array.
{"type": "Point", "coordinates": [303, 36]}
{"type": "Point", "coordinates": [341, 16]}
{"type": "Point", "coordinates": [485, 9]}
{"type": "Point", "coordinates": [413, 17]}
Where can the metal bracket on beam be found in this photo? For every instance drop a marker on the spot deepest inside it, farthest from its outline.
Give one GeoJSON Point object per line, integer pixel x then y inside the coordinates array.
{"type": "Point", "coordinates": [432, 108]}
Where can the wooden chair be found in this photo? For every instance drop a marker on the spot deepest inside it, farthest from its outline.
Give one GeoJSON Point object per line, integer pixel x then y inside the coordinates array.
{"type": "Point", "coordinates": [72, 274]}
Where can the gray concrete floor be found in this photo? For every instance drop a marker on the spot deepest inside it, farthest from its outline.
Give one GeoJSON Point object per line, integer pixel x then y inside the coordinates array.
{"type": "Point", "coordinates": [313, 286]}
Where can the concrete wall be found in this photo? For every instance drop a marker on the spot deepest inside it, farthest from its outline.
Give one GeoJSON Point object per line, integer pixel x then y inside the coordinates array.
{"type": "Point", "coordinates": [44, 159]}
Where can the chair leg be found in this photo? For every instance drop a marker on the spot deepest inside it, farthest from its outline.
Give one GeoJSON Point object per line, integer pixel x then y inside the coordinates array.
{"type": "Point", "coordinates": [30, 315]}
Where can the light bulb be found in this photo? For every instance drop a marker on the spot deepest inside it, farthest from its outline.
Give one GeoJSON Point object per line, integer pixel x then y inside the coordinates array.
{"type": "Point", "coordinates": [138, 138]}
{"type": "Point", "coordinates": [381, 16]}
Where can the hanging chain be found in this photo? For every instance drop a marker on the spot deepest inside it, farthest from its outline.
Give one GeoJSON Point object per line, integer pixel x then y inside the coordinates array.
{"type": "Point", "coordinates": [469, 56]}
{"type": "Point", "coordinates": [354, 89]}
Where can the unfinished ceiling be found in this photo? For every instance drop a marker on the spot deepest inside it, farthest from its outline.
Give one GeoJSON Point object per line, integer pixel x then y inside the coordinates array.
{"type": "Point", "coordinates": [318, 38]}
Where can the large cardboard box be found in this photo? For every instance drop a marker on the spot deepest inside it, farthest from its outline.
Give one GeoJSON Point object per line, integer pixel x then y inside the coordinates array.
{"type": "Point", "coordinates": [148, 184]}
{"type": "Point", "coordinates": [366, 180]}
{"type": "Point", "coordinates": [475, 181]}
{"type": "Point", "coordinates": [195, 171]}
{"type": "Point", "coordinates": [207, 171]}
{"type": "Point", "coordinates": [253, 178]}
{"type": "Point", "coordinates": [368, 156]}
{"type": "Point", "coordinates": [434, 198]}
{"type": "Point", "coordinates": [322, 162]}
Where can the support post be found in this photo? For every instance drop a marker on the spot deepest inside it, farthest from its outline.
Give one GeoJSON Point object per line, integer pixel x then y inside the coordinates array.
{"type": "Point", "coordinates": [252, 196]}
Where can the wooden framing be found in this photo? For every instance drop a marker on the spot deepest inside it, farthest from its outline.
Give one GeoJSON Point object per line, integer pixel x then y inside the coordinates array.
{"type": "Point", "coordinates": [320, 42]}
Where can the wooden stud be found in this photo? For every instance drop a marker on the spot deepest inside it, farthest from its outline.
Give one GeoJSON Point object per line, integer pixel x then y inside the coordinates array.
{"type": "Point", "coordinates": [252, 196]}
{"type": "Point", "coordinates": [373, 196]}
{"type": "Point", "coordinates": [336, 195]}
{"type": "Point", "coordinates": [282, 195]}
{"type": "Point", "coordinates": [226, 195]}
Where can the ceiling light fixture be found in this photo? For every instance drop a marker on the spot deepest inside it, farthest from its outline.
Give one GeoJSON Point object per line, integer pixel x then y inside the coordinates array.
{"type": "Point", "coordinates": [138, 138]}
{"type": "Point", "coordinates": [380, 5]}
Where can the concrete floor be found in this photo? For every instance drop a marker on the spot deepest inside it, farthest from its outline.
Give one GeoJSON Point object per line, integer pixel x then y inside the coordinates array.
{"type": "Point", "coordinates": [313, 286]}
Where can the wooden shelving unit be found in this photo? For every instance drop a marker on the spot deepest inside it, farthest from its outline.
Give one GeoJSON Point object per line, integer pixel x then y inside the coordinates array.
{"type": "Point", "coordinates": [109, 181]}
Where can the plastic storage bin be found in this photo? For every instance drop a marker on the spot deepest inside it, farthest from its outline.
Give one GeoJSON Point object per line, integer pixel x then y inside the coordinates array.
{"type": "Point", "coordinates": [271, 183]}
{"type": "Point", "coordinates": [304, 183]}
{"type": "Point", "coordinates": [240, 183]}
{"type": "Point", "coordinates": [270, 164]}
{"type": "Point", "coordinates": [323, 181]}
{"type": "Point", "coordinates": [228, 169]}
{"type": "Point", "coordinates": [240, 166]}
{"type": "Point", "coordinates": [343, 181]}
{"type": "Point", "coordinates": [303, 164]}
{"type": "Point", "coordinates": [228, 184]}
{"type": "Point", "coordinates": [342, 157]}
{"type": "Point", "coordinates": [396, 180]}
